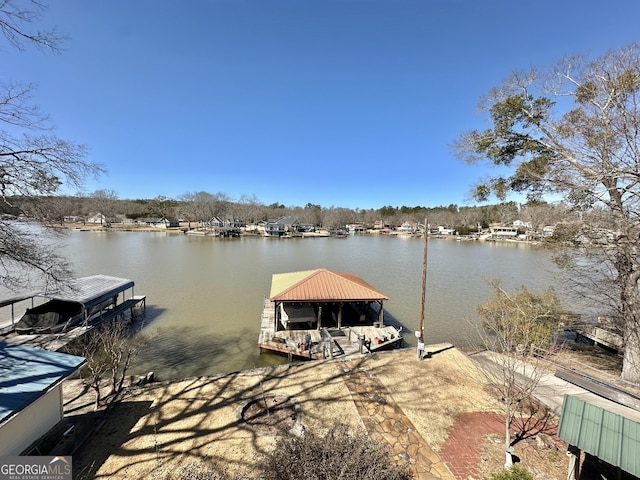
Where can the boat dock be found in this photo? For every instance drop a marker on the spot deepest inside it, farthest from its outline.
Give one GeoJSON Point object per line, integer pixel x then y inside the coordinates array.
{"type": "Point", "coordinates": [329, 342]}
{"type": "Point", "coordinates": [602, 337]}
{"type": "Point", "coordinates": [57, 341]}
{"type": "Point", "coordinates": [96, 297]}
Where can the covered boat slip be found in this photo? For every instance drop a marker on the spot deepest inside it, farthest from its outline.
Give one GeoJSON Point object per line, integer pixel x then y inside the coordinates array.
{"type": "Point", "coordinates": [81, 302]}
{"type": "Point", "coordinates": [319, 314]}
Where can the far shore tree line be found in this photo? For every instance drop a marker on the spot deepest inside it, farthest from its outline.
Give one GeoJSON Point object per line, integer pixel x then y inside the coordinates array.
{"type": "Point", "coordinates": [201, 207]}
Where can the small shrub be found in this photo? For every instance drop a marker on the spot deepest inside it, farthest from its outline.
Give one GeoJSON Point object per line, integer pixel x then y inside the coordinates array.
{"type": "Point", "coordinates": [514, 473]}
{"type": "Point", "coordinates": [553, 456]}
{"type": "Point", "coordinates": [204, 470]}
{"type": "Point", "coordinates": [337, 455]}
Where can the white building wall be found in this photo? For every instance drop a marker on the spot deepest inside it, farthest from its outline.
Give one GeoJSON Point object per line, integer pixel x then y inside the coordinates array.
{"type": "Point", "coordinates": [30, 424]}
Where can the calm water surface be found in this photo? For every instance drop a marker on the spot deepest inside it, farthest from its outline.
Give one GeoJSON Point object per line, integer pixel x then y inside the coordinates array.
{"type": "Point", "coordinates": [205, 295]}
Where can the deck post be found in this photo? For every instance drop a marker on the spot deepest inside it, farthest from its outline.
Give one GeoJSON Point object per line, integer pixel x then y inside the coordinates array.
{"type": "Point", "coordinates": [381, 316]}
{"type": "Point", "coordinates": [340, 315]}
{"type": "Point", "coordinates": [573, 453]}
{"type": "Point", "coordinates": [319, 317]}
{"type": "Point", "coordinates": [275, 316]}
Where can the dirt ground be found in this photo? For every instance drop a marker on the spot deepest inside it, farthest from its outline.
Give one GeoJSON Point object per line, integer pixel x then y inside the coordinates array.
{"type": "Point", "coordinates": [158, 428]}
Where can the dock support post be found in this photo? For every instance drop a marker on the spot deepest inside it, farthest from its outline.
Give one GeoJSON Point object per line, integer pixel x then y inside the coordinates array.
{"type": "Point", "coordinates": [573, 453]}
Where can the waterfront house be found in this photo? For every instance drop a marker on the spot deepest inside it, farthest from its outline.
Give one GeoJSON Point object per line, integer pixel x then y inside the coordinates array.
{"type": "Point", "coordinates": [408, 227]}
{"type": "Point", "coordinates": [522, 225]}
{"type": "Point", "coordinates": [97, 218]}
{"type": "Point", "coordinates": [227, 225]}
{"type": "Point", "coordinates": [355, 228]}
{"type": "Point", "coordinates": [162, 222]}
{"type": "Point", "coordinates": [446, 231]}
{"type": "Point", "coordinates": [504, 233]}
{"type": "Point", "coordinates": [281, 226]}
{"type": "Point", "coordinates": [31, 403]}
{"type": "Point", "coordinates": [380, 224]}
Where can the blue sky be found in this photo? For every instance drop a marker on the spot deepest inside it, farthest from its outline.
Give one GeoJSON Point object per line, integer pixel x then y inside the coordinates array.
{"type": "Point", "coordinates": [350, 103]}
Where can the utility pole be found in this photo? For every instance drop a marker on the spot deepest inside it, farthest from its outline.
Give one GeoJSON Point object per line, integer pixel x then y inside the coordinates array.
{"type": "Point", "coordinates": [420, 334]}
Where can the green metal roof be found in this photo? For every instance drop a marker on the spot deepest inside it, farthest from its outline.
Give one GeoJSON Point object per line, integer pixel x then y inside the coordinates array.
{"type": "Point", "coordinates": [609, 436]}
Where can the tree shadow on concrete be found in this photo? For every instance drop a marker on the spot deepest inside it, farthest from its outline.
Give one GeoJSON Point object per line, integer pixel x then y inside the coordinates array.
{"type": "Point", "coordinates": [190, 423]}
{"type": "Point", "coordinates": [117, 429]}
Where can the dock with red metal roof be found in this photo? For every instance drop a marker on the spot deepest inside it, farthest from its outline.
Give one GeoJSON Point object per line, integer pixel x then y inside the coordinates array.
{"type": "Point", "coordinates": [319, 314]}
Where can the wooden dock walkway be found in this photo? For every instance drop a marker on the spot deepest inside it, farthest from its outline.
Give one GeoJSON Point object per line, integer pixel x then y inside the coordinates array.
{"type": "Point", "coordinates": [325, 343]}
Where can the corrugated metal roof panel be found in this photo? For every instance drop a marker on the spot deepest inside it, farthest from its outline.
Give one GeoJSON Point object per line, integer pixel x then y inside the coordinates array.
{"type": "Point", "coordinates": [607, 435]}
{"type": "Point", "coordinates": [322, 285]}
{"type": "Point", "coordinates": [90, 290]}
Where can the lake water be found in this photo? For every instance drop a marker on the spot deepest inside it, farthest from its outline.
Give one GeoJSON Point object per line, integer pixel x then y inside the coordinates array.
{"type": "Point", "coordinates": [205, 294]}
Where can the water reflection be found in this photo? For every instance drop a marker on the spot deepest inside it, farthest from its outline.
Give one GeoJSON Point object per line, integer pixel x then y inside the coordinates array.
{"type": "Point", "coordinates": [205, 295]}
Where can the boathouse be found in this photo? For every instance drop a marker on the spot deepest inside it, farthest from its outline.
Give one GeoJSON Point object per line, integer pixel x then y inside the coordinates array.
{"type": "Point", "coordinates": [77, 301]}
{"type": "Point", "coordinates": [301, 297]}
{"type": "Point", "coordinates": [311, 312]}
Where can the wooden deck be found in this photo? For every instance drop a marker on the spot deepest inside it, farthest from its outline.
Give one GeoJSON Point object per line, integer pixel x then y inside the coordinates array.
{"type": "Point", "coordinates": [326, 342]}
{"type": "Point", "coordinates": [602, 337]}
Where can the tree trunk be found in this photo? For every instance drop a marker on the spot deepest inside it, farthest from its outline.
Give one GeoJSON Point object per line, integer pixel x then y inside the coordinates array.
{"type": "Point", "coordinates": [631, 359]}
{"type": "Point", "coordinates": [97, 402]}
{"type": "Point", "coordinates": [508, 459]}
{"type": "Point", "coordinates": [630, 301]}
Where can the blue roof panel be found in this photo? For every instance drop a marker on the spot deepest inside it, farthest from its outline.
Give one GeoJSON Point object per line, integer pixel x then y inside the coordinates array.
{"type": "Point", "coordinates": [28, 373]}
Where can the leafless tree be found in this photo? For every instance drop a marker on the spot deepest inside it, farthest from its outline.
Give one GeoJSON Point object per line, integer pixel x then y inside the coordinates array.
{"type": "Point", "coordinates": [248, 208]}
{"type": "Point", "coordinates": [14, 15]}
{"type": "Point", "coordinates": [109, 350]}
{"type": "Point", "coordinates": [104, 202]}
{"type": "Point", "coordinates": [33, 161]}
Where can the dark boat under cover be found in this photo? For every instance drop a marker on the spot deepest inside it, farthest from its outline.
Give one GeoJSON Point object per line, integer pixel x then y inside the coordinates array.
{"type": "Point", "coordinates": [73, 304]}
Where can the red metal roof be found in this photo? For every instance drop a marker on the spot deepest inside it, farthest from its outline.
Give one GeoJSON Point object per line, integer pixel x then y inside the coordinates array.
{"type": "Point", "coordinates": [322, 285]}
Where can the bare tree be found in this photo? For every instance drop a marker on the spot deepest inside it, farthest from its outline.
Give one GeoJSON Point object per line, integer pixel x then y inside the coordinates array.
{"type": "Point", "coordinates": [575, 132]}
{"type": "Point", "coordinates": [516, 329]}
{"type": "Point", "coordinates": [33, 161]}
{"type": "Point", "coordinates": [13, 17]}
{"type": "Point", "coordinates": [109, 351]}
{"type": "Point", "coordinates": [105, 203]}
{"type": "Point", "coordinates": [162, 206]}
{"type": "Point", "coordinates": [97, 366]}
{"type": "Point", "coordinates": [203, 207]}
{"type": "Point", "coordinates": [248, 208]}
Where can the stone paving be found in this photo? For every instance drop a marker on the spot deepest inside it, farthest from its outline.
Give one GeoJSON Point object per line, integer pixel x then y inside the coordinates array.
{"type": "Point", "coordinates": [385, 421]}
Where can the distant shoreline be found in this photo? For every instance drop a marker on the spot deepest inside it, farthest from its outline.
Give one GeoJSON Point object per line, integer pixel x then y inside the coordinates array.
{"type": "Point", "coordinates": [184, 229]}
